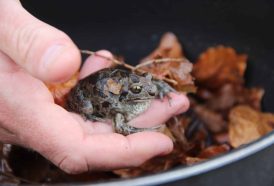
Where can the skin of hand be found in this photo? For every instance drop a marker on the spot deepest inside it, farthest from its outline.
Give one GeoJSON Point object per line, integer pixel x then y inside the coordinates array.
{"type": "Point", "coordinates": [32, 52]}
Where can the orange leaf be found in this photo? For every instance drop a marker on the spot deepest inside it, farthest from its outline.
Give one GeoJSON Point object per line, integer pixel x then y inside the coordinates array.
{"type": "Point", "coordinates": [218, 66]}
{"type": "Point", "coordinates": [60, 90]}
{"type": "Point", "coordinates": [247, 125]}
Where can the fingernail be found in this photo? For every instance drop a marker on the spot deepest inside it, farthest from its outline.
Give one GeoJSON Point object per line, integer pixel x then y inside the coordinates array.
{"type": "Point", "coordinates": [51, 56]}
{"type": "Point", "coordinates": [105, 53]}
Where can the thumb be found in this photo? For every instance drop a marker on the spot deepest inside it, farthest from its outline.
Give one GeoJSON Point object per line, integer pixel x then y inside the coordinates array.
{"type": "Point", "coordinates": [42, 50]}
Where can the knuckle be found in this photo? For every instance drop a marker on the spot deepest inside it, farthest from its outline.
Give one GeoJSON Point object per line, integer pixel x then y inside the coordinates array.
{"type": "Point", "coordinates": [73, 165]}
{"type": "Point", "coordinates": [32, 39]}
{"type": "Point", "coordinates": [25, 38]}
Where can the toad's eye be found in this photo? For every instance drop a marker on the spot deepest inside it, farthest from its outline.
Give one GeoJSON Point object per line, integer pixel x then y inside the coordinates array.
{"type": "Point", "coordinates": [136, 89]}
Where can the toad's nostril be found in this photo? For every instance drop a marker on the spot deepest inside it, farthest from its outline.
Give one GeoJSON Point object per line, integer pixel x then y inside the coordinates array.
{"type": "Point", "coordinates": [152, 90]}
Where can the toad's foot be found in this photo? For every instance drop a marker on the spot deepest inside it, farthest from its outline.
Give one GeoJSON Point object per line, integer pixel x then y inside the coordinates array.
{"type": "Point", "coordinates": [163, 89]}
{"type": "Point", "coordinates": [121, 127]}
{"type": "Point", "coordinates": [93, 118]}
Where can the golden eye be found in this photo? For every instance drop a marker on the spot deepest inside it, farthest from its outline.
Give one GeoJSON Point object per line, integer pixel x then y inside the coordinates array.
{"type": "Point", "coordinates": [136, 89]}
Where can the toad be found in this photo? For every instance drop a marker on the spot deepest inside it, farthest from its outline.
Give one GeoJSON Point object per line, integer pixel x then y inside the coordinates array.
{"type": "Point", "coordinates": [116, 94]}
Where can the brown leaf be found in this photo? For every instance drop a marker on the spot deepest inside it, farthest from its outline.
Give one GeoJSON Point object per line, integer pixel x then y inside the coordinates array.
{"type": "Point", "coordinates": [179, 71]}
{"type": "Point", "coordinates": [193, 160]}
{"type": "Point", "coordinates": [169, 47]}
{"type": "Point", "coordinates": [229, 95]}
{"type": "Point", "coordinates": [214, 151]}
{"type": "Point", "coordinates": [221, 138]}
{"type": "Point", "coordinates": [155, 165]}
{"type": "Point", "coordinates": [213, 120]}
{"type": "Point", "coordinates": [60, 90]}
{"type": "Point", "coordinates": [176, 126]}
{"type": "Point", "coordinates": [218, 66]}
{"type": "Point", "coordinates": [196, 134]}
{"type": "Point", "coordinates": [251, 96]}
{"type": "Point", "coordinates": [247, 125]}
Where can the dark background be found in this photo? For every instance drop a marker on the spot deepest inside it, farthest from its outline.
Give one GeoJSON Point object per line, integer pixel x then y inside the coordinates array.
{"type": "Point", "coordinates": [133, 29]}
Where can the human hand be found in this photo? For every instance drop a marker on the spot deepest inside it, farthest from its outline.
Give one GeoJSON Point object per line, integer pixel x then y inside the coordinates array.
{"type": "Point", "coordinates": [32, 52]}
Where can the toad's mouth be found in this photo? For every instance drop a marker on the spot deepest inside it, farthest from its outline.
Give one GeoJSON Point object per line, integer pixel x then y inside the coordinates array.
{"type": "Point", "coordinates": [139, 100]}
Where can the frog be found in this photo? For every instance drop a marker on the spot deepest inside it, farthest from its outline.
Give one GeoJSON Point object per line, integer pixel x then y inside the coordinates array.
{"type": "Point", "coordinates": [118, 95]}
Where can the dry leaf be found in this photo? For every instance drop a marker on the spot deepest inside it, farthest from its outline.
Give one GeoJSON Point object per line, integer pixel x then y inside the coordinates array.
{"type": "Point", "coordinates": [176, 126]}
{"type": "Point", "coordinates": [179, 71]}
{"type": "Point", "coordinates": [60, 90]}
{"type": "Point", "coordinates": [247, 125]}
{"type": "Point", "coordinates": [221, 138]}
{"type": "Point", "coordinates": [214, 151]}
{"type": "Point", "coordinates": [155, 165]}
{"type": "Point", "coordinates": [169, 47]}
{"type": "Point", "coordinates": [218, 66]}
{"type": "Point", "coordinates": [230, 95]}
{"type": "Point", "coordinates": [214, 121]}
{"type": "Point", "coordinates": [193, 160]}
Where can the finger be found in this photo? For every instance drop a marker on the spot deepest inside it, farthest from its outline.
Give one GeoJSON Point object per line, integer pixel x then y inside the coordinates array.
{"type": "Point", "coordinates": [160, 111]}
{"type": "Point", "coordinates": [44, 51]}
{"type": "Point", "coordinates": [104, 152]}
{"type": "Point", "coordinates": [95, 62]}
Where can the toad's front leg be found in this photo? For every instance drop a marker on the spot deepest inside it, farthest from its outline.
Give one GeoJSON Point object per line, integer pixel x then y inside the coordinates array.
{"type": "Point", "coordinates": [163, 88]}
{"type": "Point", "coordinates": [120, 126]}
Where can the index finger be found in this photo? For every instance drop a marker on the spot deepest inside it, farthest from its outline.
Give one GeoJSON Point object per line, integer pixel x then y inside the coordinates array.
{"type": "Point", "coordinates": [161, 110]}
{"type": "Point", "coordinates": [96, 62]}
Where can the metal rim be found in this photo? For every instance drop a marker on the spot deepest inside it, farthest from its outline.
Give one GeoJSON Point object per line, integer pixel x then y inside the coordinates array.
{"type": "Point", "coordinates": [186, 172]}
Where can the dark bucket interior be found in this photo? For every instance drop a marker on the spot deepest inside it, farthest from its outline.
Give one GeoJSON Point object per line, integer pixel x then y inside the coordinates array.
{"type": "Point", "coordinates": [134, 28]}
